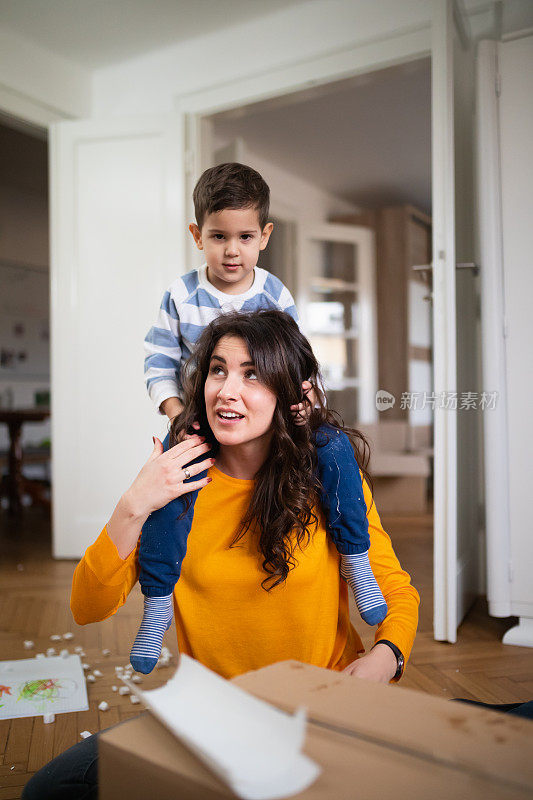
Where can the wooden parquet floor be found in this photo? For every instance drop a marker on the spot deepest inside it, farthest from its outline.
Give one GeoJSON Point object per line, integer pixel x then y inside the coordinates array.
{"type": "Point", "coordinates": [34, 604]}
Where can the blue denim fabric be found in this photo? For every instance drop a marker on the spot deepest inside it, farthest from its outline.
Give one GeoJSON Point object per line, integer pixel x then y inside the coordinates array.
{"type": "Point", "coordinates": [164, 538]}
{"type": "Point", "coordinates": [342, 495]}
{"type": "Point", "coordinates": [164, 541]}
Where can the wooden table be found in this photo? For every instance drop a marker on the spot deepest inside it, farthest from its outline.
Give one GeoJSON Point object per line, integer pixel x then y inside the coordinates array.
{"type": "Point", "coordinates": [15, 418]}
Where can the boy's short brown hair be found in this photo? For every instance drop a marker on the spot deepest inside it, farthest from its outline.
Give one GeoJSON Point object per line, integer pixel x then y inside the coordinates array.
{"type": "Point", "coordinates": [231, 185]}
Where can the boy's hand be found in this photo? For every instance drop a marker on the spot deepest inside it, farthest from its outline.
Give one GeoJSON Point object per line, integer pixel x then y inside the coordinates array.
{"type": "Point", "coordinates": [184, 435]}
{"type": "Point", "coordinates": [301, 411]}
{"type": "Point", "coordinates": [172, 407]}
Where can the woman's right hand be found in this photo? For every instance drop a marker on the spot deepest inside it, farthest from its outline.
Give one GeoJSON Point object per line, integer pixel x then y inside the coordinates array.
{"type": "Point", "coordinates": [162, 477]}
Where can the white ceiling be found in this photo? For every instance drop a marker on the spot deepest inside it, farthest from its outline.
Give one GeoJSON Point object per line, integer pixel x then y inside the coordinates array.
{"type": "Point", "coordinates": [366, 140]}
{"type": "Point", "coordinates": [96, 33]}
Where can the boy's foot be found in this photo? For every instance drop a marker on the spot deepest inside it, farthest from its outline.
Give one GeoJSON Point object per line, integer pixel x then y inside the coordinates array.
{"type": "Point", "coordinates": [157, 618]}
{"type": "Point", "coordinates": [357, 572]}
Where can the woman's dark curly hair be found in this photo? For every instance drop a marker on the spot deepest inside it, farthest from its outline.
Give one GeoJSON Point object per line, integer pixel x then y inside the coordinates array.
{"type": "Point", "coordinates": [286, 488]}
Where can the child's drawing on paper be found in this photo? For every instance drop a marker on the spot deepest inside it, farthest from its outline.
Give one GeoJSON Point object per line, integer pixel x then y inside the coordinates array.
{"type": "Point", "coordinates": [34, 686]}
{"type": "Point", "coordinates": [43, 691]}
{"type": "Point", "coordinates": [6, 690]}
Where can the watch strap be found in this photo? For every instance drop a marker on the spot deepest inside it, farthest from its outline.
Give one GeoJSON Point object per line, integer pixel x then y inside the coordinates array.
{"type": "Point", "coordinates": [399, 657]}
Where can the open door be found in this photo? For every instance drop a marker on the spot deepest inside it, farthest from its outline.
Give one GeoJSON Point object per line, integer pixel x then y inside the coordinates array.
{"type": "Point", "coordinates": [455, 320]}
{"type": "Point", "coordinates": [117, 243]}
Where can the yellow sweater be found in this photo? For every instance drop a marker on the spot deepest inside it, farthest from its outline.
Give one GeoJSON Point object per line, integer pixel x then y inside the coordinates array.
{"type": "Point", "coordinates": [225, 619]}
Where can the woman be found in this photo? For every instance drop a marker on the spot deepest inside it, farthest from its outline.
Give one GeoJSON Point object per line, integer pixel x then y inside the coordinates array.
{"type": "Point", "coordinates": [260, 582]}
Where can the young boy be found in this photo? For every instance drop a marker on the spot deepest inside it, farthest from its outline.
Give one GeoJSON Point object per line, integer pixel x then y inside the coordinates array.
{"type": "Point", "coordinates": [231, 203]}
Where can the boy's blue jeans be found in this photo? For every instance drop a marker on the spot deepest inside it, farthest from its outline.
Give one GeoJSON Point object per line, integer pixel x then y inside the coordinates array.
{"type": "Point", "coordinates": [165, 532]}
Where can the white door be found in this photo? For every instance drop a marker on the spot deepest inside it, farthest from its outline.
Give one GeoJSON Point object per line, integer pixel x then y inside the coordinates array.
{"type": "Point", "coordinates": [455, 322]}
{"type": "Point", "coordinates": [117, 242]}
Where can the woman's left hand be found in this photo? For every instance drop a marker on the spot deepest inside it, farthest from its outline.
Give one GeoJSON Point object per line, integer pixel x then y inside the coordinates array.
{"type": "Point", "coordinates": [379, 665]}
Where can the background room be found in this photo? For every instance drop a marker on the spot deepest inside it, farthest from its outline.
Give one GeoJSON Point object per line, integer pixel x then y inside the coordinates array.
{"type": "Point", "coordinates": [396, 141]}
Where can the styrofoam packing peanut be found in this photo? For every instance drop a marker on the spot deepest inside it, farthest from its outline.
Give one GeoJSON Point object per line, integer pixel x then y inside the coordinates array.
{"type": "Point", "coordinates": [68, 635]}
{"type": "Point", "coordinates": [97, 673]}
{"type": "Point", "coordinates": [85, 667]}
{"type": "Point", "coordinates": [78, 649]}
{"type": "Point", "coordinates": [55, 637]}
{"type": "Point", "coordinates": [28, 644]}
{"type": "Point", "coordinates": [103, 706]}
{"type": "Point", "coordinates": [12, 767]}
{"type": "Point", "coordinates": [124, 690]}
{"type": "Point", "coordinates": [51, 651]}
{"type": "Point", "coordinates": [106, 652]}
{"type": "Point", "coordinates": [91, 678]}
{"type": "Point", "coordinates": [114, 688]}
{"type": "Point", "coordinates": [134, 699]}
{"type": "Point", "coordinates": [85, 734]}
{"type": "Point", "coordinates": [48, 718]}
{"type": "Point", "coordinates": [136, 678]}
{"type": "Point", "coordinates": [64, 653]}
{"type": "Point", "coordinates": [119, 669]}
{"type": "Point", "coordinates": [165, 651]}
{"type": "Point", "coordinates": [82, 654]}
{"type": "Point", "coordinates": [40, 655]}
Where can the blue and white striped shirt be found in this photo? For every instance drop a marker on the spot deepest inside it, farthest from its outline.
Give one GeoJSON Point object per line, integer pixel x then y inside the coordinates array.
{"type": "Point", "coordinates": [187, 308]}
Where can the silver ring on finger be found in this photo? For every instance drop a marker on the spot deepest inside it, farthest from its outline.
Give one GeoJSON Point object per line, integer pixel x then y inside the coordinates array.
{"type": "Point", "coordinates": [186, 473]}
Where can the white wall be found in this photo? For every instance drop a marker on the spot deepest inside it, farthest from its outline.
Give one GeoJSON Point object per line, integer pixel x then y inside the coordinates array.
{"type": "Point", "coordinates": [321, 27]}
{"type": "Point", "coordinates": [37, 85]}
{"type": "Point", "coordinates": [294, 198]}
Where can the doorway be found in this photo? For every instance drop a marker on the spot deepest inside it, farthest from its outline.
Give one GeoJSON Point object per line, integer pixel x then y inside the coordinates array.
{"type": "Point", "coordinates": [25, 317]}
{"type": "Point", "coordinates": [355, 155]}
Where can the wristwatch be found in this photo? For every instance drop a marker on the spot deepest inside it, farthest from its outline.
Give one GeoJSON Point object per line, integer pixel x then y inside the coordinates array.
{"type": "Point", "coordinates": [399, 657]}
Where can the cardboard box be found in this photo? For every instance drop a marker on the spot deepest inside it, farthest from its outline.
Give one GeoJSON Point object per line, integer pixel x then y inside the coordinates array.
{"type": "Point", "coordinates": [371, 740]}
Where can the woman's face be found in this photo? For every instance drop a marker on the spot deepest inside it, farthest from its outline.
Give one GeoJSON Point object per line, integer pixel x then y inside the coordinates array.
{"type": "Point", "coordinates": [239, 407]}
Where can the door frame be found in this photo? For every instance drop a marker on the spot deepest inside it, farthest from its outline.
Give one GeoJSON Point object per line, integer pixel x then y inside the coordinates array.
{"type": "Point", "coordinates": [429, 41]}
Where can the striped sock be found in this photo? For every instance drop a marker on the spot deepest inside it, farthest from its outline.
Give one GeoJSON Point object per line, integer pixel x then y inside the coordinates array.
{"type": "Point", "coordinates": [357, 572]}
{"type": "Point", "coordinates": [157, 619]}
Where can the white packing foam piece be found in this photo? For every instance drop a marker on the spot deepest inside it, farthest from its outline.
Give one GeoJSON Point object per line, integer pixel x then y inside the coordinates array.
{"type": "Point", "coordinates": [114, 688]}
{"type": "Point", "coordinates": [55, 637]}
{"type": "Point", "coordinates": [97, 673]}
{"type": "Point", "coordinates": [40, 655]}
{"type": "Point", "coordinates": [48, 718]}
{"type": "Point", "coordinates": [78, 649]}
{"type": "Point", "coordinates": [134, 699]}
{"type": "Point", "coordinates": [85, 667]}
{"type": "Point", "coordinates": [103, 706]}
{"type": "Point", "coordinates": [136, 679]}
{"type": "Point", "coordinates": [106, 652]}
{"type": "Point", "coordinates": [91, 678]}
{"type": "Point", "coordinates": [68, 635]}
{"type": "Point", "coordinates": [28, 644]}
{"type": "Point", "coordinates": [64, 653]}
{"type": "Point", "coordinates": [252, 746]}
{"type": "Point", "coordinates": [124, 690]}
{"type": "Point", "coordinates": [85, 734]}
{"type": "Point", "coordinates": [51, 651]}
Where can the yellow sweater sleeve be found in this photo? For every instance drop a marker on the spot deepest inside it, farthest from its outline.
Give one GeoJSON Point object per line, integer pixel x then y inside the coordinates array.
{"type": "Point", "coordinates": [400, 624]}
{"type": "Point", "coordinates": [102, 581]}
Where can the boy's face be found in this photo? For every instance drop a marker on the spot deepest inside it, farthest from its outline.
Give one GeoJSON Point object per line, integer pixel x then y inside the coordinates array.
{"type": "Point", "coordinates": [231, 240]}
